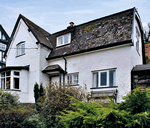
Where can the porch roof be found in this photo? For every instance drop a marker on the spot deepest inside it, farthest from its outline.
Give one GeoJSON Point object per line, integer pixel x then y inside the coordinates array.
{"type": "Point", "coordinates": [53, 69]}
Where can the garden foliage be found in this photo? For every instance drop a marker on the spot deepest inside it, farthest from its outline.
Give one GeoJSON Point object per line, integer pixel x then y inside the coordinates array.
{"type": "Point", "coordinates": [134, 112]}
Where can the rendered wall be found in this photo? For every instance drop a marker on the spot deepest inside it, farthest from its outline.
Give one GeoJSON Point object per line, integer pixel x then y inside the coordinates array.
{"type": "Point", "coordinates": [119, 58]}
{"type": "Point", "coordinates": [31, 58]}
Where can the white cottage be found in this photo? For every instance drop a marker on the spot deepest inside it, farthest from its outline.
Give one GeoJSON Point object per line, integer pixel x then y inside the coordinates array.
{"type": "Point", "coordinates": [99, 54]}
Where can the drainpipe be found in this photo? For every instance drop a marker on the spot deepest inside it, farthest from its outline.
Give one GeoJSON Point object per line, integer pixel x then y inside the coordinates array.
{"type": "Point", "coordinates": [65, 70]}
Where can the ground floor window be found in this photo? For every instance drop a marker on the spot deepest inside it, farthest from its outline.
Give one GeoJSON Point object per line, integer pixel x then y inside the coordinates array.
{"type": "Point", "coordinates": [104, 78]}
{"type": "Point", "coordinates": [10, 80]}
{"type": "Point", "coordinates": [73, 78]}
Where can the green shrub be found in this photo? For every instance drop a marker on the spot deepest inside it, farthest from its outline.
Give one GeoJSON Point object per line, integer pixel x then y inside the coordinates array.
{"type": "Point", "coordinates": [137, 101]}
{"type": "Point", "coordinates": [13, 113]}
{"type": "Point", "coordinates": [132, 113]}
{"type": "Point", "coordinates": [7, 100]}
{"type": "Point", "coordinates": [57, 100]}
{"type": "Point", "coordinates": [36, 92]}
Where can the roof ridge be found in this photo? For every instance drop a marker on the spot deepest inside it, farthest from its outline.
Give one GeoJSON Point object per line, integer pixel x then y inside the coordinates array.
{"type": "Point", "coordinates": [34, 23]}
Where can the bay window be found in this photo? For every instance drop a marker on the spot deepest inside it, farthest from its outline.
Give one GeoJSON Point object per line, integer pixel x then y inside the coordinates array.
{"type": "Point", "coordinates": [10, 80]}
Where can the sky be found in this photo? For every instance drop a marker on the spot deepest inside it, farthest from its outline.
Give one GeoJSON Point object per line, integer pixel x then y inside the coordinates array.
{"type": "Point", "coordinates": [55, 15]}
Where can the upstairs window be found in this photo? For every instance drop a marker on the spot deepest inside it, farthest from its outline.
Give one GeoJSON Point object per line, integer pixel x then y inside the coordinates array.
{"type": "Point", "coordinates": [73, 79]}
{"type": "Point", "coordinates": [104, 78]}
{"type": "Point", "coordinates": [64, 39]}
{"type": "Point", "coordinates": [20, 48]}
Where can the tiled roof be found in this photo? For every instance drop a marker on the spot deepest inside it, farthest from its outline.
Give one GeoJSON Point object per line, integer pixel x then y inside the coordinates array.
{"type": "Point", "coordinates": [38, 32]}
{"type": "Point", "coordinates": [116, 28]}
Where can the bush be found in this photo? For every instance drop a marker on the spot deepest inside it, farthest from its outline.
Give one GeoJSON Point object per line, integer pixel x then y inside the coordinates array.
{"type": "Point", "coordinates": [12, 113]}
{"type": "Point", "coordinates": [133, 113]}
{"type": "Point", "coordinates": [7, 100]}
{"type": "Point", "coordinates": [137, 101]}
{"type": "Point", "coordinates": [57, 100]}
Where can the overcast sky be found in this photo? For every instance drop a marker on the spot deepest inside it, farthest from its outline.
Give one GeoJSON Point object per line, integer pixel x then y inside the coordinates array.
{"type": "Point", "coordinates": [55, 15]}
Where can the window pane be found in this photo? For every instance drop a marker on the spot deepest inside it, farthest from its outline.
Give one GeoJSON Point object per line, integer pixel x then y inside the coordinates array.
{"type": "Point", "coordinates": [16, 83]}
{"type": "Point", "coordinates": [2, 74]}
{"type": "Point", "coordinates": [103, 78]}
{"type": "Point", "coordinates": [75, 78]}
{"type": "Point", "coordinates": [8, 83]}
{"type": "Point", "coordinates": [8, 73]}
{"type": "Point", "coordinates": [3, 83]}
{"type": "Point", "coordinates": [95, 79]}
{"type": "Point", "coordinates": [69, 78]}
{"type": "Point", "coordinates": [16, 73]}
{"type": "Point", "coordinates": [66, 39]}
{"type": "Point", "coordinates": [111, 77]}
{"type": "Point", "coordinates": [23, 49]}
{"type": "Point", "coordinates": [60, 40]}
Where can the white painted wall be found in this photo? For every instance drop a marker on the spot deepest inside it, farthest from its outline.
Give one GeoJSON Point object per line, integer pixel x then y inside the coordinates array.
{"type": "Point", "coordinates": [119, 58]}
{"type": "Point", "coordinates": [31, 58]}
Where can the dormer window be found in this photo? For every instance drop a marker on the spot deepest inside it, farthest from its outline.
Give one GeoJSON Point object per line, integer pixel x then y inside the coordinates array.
{"type": "Point", "coordinates": [64, 39]}
{"type": "Point", "coordinates": [20, 48]}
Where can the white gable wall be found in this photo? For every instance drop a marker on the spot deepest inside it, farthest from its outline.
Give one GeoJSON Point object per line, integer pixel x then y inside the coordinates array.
{"type": "Point", "coordinates": [31, 58]}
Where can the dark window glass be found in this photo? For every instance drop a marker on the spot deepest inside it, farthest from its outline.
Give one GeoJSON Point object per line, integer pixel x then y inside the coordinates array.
{"type": "Point", "coordinates": [103, 78]}
{"type": "Point", "coordinates": [8, 73]}
{"type": "Point", "coordinates": [8, 83]}
{"type": "Point", "coordinates": [16, 73]}
{"type": "Point", "coordinates": [2, 74]}
{"type": "Point", "coordinates": [111, 77]}
{"type": "Point", "coordinates": [16, 83]}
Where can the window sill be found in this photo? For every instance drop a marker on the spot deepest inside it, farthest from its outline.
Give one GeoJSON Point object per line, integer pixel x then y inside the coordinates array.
{"type": "Point", "coordinates": [13, 90]}
{"type": "Point", "coordinates": [62, 45]}
{"type": "Point", "coordinates": [104, 87]}
{"type": "Point", "coordinates": [20, 55]}
{"type": "Point", "coordinates": [73, 84]}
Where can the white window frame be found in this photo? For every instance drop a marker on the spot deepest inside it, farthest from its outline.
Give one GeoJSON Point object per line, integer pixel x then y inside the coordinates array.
{"type": "Point", "coordinates": [20, 50]}
{"type": "Point", "coordinates": [12, 76]}
{"type": "Point", "coordinates": [63, 42]}
{"type": "Point", "coordinates": [99, 78]}
{"type": "Point", "coordinates": [72, 81]}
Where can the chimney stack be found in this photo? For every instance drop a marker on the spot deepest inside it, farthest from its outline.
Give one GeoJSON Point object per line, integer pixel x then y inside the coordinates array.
{"type": "Point", "coordinates": [71, 24]}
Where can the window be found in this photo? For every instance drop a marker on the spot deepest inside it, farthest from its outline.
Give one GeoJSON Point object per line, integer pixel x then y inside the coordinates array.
{"type": "Point", "coordinates": [104, 78]}
{"type": "Point", "coordinates": [20, 48]}
{"type": "Point", "coordinates": [64, 39]}
{"type": "Point", "coordinates": [10, 80]}
{"type": "Point", "coordinates": [73, 79]}
{"type": "Point", "coordinates": [137, 39]}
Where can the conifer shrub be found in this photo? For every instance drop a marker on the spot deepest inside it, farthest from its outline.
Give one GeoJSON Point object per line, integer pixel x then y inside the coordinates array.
{"type": "Point", "coordinates": [99, 115]}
